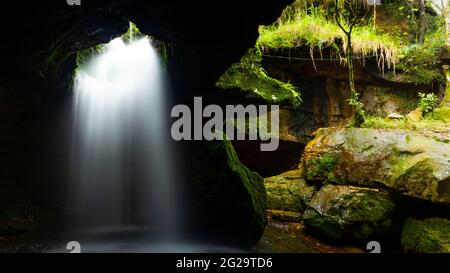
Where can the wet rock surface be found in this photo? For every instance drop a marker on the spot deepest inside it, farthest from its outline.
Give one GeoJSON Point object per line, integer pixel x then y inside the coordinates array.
{"type": "Point", "coordinates": [282, 237]}
{"type": "Point", "coordinates": [346, 212]}
{"type": "Point", "coordinates": [288, 191]}
{"type": "Point", "coordinates": [407, 162]}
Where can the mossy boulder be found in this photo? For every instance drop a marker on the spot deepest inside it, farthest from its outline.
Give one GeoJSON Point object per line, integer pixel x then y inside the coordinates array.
{"type": "Point", "coordinates": [408, 162]}
{"type": "Point", "coordinates": [415, 115]}
{"type": "Point", "coordinates": [347, 212]}
{"type": "Point", "coordinates": [426, 236]}
{"type": "Point", "coordinates": [288, 191]}
{"type": "Point", "coordinates": [227, 201]}
{"type": "Point", "coordinates": [442, 114]}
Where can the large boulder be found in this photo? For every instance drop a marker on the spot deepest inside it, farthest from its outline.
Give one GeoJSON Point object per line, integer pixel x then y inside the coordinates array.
{"type": "Point", "coordinates": [427, 236]}
{"type": "Point", "coordinates": [411, 163]}
{"type": "Point", "coordinates": [227, 201]}
{"type": "Point", "coordinates": [347, 212]}
{"type": "Point", "coordinates": [288, 192]}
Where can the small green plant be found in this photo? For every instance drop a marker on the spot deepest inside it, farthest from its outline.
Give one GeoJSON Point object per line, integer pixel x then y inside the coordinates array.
{"type": "Point", "coordinates": [427, 102]}
{"type": "Point", "coordinates": [358, 106]}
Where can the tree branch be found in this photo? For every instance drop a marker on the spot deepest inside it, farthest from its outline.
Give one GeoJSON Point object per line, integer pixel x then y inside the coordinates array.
{"type": "Point", "coordinates": [338, 17]}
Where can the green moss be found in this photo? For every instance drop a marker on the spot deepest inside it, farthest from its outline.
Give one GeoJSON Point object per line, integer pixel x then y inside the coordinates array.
{"type": "Point", "coordinates": [249, 76]}
{"type": "Point", "coordinates": [383, 123]}
{"type": "Point", "coordinates": [407, 162]}
{"type": "Point", "coordinates": [442, 114]}
{"type": "Point", "coordinates": [251, 181]}
{"type": "Point", "coordinates": [223, 189]}
{"type": "Point", "coordinates": [316, 222]}
{"type": "Point", "coordinates": [428, 236]}
{"type": "Point", "coordinates": [288, 192]}
{"type": "Point", "coordinates": [321, 167]}
{"type": "Point", "coordinates": [408, 138]}
{"type": "Point", "coordinates": [367, 206]}
{"type": "Point", "coordinates": [420, 62]}
{"type": "Point", "coordinates": [343, 211]}
{"type": "Point", "coordinates": [369, 216]}
{"type": "Point", "coordinates": [331, 177]}
{"type": "Point", "coordinates": [317, 30]}
{"type": "Point", "coordinates": [436, 121]}
{"type": "Point", "coordinates": [398, 167]}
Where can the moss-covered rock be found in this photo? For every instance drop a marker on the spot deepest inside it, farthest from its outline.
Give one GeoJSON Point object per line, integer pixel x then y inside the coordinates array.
{"type": "Point", "coordinates": [428, 236]}
{"type": "Point", "coordinates": [442, 114]}
{"type": "Point", "coordinates": [339, 212]}
{"type": "Point", "coordinates": [322, 167]}
{"type": "Point", "coordinates": [288, 191]}
{"type": "Point", "coordinates": [228, 201]}
{"type": "Point", "coordinates": [285, 216]}
{"type": "Point", "coordinates": [415, 115]}
{"type": "Point", "coordinates": [411, 163]}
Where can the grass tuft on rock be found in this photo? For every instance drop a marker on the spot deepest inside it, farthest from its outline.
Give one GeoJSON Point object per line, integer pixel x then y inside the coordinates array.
{"type": "Point", "coordinates": [313, 29]}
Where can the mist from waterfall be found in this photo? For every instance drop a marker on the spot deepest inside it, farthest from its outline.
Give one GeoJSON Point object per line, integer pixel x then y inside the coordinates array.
{"type": "Point", "coordinates": [121, 169]}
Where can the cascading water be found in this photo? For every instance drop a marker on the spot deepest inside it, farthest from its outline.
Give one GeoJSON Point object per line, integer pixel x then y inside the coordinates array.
{"type": "Point", "coordinates": [121, 156]}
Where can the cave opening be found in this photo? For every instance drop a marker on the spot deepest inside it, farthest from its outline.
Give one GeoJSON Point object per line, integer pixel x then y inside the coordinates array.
{"type": "Point", "coordinates": [85, 100]}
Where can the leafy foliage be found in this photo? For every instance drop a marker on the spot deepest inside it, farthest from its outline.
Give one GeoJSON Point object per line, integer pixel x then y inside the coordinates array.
{"type": "Point", "coordinates": [427, 102]}
{"type": "Point", "coordinates": [420, 61]}
{"type": "Point", "coordinates": [357, 104]}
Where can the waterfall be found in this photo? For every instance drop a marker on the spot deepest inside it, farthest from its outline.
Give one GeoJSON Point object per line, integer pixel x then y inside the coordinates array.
{"type": "Point", "coordinates": [121, 169]}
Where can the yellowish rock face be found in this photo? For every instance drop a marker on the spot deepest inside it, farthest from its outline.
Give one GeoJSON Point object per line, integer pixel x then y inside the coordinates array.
{"type": "Point", "coordinates": [411, 163]}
